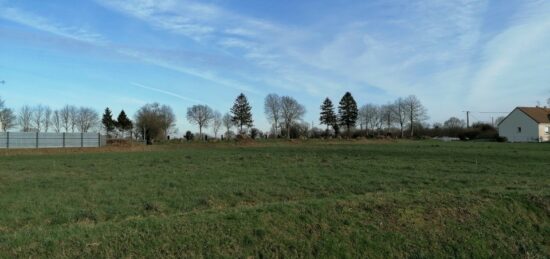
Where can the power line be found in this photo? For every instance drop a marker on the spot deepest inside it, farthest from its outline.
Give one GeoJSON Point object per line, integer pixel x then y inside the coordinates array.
{"type": "Point", "coordinates": [496, 112]}
{"type": "Point", "coordinates": [469, 113]}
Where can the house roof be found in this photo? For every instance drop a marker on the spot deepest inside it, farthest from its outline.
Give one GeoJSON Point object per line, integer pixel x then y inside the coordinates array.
{"type": "Point", "coordinates": [538, 114]}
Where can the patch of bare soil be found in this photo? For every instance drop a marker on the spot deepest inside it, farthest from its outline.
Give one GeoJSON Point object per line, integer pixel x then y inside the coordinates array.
{"type": "Point", "coordinates": [49, 151]}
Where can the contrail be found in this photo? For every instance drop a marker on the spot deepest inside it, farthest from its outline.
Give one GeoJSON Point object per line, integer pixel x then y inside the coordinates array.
{"type": "Point", "coordinates": [166, 92]}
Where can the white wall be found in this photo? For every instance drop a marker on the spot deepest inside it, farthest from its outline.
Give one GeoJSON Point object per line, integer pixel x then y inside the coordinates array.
{"type": "Point", "coordinates": [509, 128]}
{"type": "Point", "coordinates": [542, 132]}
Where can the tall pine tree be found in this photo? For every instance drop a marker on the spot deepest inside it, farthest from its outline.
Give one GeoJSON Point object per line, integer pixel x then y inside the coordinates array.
{"type": "Point", "coordinates": [123, 123]}
{"type": "Point", "coordinates": [328, 117]}
{"type": "Point", "coordinates": [108, 123]}
{"type": "Point", "coordinates": [348, 112]}
{"type": "Point", "coordinates": [241, 112]}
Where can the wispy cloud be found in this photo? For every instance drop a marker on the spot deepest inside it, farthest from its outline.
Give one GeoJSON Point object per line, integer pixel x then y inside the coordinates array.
{"type": "Point", "coordinates": [47, 25]}
{"type": "Point", "coordinates": [97, 40]}
{"type": "Point", "coordinates": [259, 42]}
{"type": "Point", "coordinates": [210, 76]}
{"type": "Point", "coordinates": [433, 50]}
{"type": "Point", "coordinates": [172, 94]}
{"type": "Point", "coordinates": [515, 60]}
{"type": "Point", "coordinates": [165, 15]}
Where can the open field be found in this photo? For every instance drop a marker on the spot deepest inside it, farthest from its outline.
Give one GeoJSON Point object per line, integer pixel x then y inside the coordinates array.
{"type": "Point", "coordinates": [337, 199]}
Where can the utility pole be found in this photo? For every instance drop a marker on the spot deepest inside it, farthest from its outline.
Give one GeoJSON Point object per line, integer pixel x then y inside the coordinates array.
{"type": "Point", "coordinates": [467, 118]}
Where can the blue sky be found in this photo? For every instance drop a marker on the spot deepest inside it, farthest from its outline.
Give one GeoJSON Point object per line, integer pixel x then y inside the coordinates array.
{"type": "Point", "coordinates": [453, 55]}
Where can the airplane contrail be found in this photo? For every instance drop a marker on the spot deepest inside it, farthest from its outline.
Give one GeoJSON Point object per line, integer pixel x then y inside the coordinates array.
{"type": "Point", "coordinates": [165, 92]}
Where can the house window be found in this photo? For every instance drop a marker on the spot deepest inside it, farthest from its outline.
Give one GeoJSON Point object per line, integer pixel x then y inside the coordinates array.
{"type": "Point", "coordinates": [547, 130]}
{"type": "Point", "coordinates": [519, 129]}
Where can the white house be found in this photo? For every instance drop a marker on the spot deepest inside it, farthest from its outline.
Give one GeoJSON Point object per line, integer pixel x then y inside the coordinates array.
{"type": "Point", "coordinates": [526, 124]}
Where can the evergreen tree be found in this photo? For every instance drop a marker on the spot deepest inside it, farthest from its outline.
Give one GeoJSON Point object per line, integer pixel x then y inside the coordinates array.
{"type": "Point", "coordinates": [348, 112]}
{"type": "Point", "coordinates": [123, 123]}
{"type": "Point", "coordinates": [328, 117]}
{"type": "Point", "coordinates": [108, 123]}
{"type": "Point", "coordinates": [241, 111]}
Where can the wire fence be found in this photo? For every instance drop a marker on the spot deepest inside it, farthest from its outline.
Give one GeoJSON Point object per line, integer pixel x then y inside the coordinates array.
{"type": "Point", "coordinates": [50, 140]}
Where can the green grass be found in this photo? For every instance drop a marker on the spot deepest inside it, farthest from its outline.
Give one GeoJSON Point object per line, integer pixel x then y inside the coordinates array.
{"type": "Point", "coordinates": [316, 199]}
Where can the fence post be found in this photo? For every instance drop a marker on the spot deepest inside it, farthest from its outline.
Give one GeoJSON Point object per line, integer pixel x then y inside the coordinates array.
{"type": "Point", "coordinates": [37, 139]}
{"type": "Point", "coordinates": [63, 139]}
{"type": "Point", "coordinates": [81, 139]}
{"type": "Point", "coordinates": [98, 139]}
{"type": "Point", "coordinates": [8, 140]}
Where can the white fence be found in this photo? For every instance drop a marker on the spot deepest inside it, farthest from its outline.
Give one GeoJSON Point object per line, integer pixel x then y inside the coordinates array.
{"type": "Point", "coordinates": [50, 140]}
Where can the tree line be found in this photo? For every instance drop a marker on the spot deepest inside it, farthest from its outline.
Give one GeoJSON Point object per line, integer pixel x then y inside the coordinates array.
{"type": "Point", "coordinates": [239, 116]}
{"type": "Point", "coordinates": [41, 118]}
{"type": "Point", "coordinates": [67, 119]}
{"type": "Point", "coordinates": [286, 115]}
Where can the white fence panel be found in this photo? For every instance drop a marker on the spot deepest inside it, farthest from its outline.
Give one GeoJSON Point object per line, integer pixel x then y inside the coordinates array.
{"type": "Point", "coordinates": [50, 140]}
{"type": "Point", "coordinates": [3, 139]}
{"type": "Point", "coordinates": [73, 140]}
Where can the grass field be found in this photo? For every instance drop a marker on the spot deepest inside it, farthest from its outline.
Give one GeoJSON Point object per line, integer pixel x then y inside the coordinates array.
{"type": "Point", "coordinates": [280, 199]}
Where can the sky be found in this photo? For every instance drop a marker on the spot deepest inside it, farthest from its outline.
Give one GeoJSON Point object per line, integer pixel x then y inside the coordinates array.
{"type": "Point", "coordinates": [482, 56]}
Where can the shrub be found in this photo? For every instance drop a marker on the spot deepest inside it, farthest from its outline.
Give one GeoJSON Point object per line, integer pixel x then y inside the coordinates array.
{"type": "Point", "coordinates": [479, 131]}
{"type": "Point", "coordinates": [502, 139]}
{"type": "Point", "coordinates": [469, 134]}
{"type": "Point", "coordinates": [255, 133]}
{"type": "Point", "coordinates": [189, 136]}
{"type": "Point", "coordinates": [242, 137]}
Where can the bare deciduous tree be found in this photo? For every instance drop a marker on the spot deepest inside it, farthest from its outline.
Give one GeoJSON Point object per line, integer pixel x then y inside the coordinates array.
{"type": "Point", "coordinates": [369, 115]}
{"type": "Point", "coordinates": [454, 123]}
{"type": "Point", "coordinates": [86, 119]}
{"type": "Point", "coordinates": [56, 121]}
{"type": "Point", "coordinates": [200, 115]}
{"type": "Point", "coordinates": [416, 112]}
{"type": "Point", "coordinates": [73, 117]}
{"type": "Point", "coordinates": [291, 111]}
{"type": "Point", "coordinates": [387, 116]}
{"type": "Point", "coordinates": [65, 116]}
{"type": "Point", "coordinates": [167, 119]}
{"type": "Point", "coordinates": [24, 118]}
{"type": "Point", "coordinates": [7, 119]}
{"type": "Point", "coordinates": [400, 113]}
{"type": "Point", "coordinates": [47, 122]}
{"type": "Point", "coordinates": [227, 122]}
{"type": "Point", "coordinates": [38, 117]}
{"type": "Point", "coordinates": [217, 123]}
{"type": "Point", "coordinates": [272, 109]}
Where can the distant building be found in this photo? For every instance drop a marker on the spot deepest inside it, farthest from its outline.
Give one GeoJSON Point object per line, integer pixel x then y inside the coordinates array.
{"type": "Point", "coordinates": [526, 124]}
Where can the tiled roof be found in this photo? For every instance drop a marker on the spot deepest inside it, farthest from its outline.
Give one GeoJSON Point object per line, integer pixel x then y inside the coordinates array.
{"type": "Point", "coordinates": [538, 114]}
